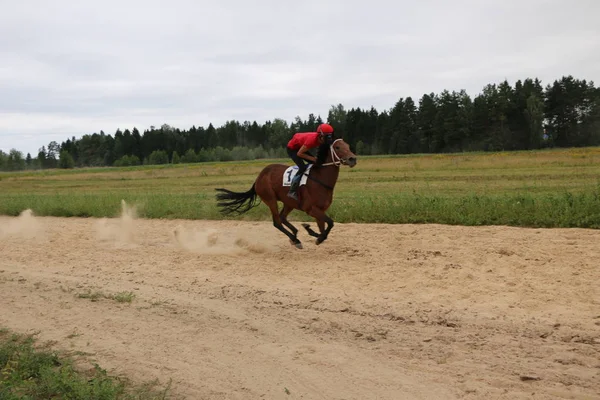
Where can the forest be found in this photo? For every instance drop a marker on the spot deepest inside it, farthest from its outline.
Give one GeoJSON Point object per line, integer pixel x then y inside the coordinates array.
{"type": "Point", "coordinates": [502, 117]}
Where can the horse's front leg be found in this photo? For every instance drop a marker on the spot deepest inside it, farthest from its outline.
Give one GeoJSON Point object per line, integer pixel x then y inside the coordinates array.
{"type": "Point", "coordinates": [324, 232]}
{"type": "Point", "coordinates": [322, 219]}
{"type": "Point", "coordinates": [312, 233]}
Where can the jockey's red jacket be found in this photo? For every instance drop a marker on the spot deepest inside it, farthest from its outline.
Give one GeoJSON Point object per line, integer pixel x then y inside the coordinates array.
{"type": "Point", "coordinates": [308, 139]}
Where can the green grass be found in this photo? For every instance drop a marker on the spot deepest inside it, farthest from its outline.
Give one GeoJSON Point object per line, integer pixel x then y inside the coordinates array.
{"type": "Point", "coordinates": [28, 371]}
{"type": "Point", "coordinates": [549, 188]}
{"type": "Point", "coordinates": [120, 297]}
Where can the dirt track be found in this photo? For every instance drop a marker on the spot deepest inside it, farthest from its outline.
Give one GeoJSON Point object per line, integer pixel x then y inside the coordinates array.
{"type": "Point", "coordinates": [376, 312]}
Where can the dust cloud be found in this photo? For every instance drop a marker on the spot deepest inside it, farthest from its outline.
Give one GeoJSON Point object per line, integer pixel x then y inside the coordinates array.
{"type": "Point", "coordinates": [213, 241]}
{"type": "Point", "coordinates": [121, 230]}
{"type": "Point", "coordinates": [25, 226]}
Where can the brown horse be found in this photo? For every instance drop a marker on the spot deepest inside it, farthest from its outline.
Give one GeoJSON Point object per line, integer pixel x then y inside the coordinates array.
{"type": "Point", "coordinates": [314, 197]}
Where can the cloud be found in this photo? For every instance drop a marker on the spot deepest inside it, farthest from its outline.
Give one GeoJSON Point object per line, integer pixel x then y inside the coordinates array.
{"type": "Point", "coordinates": [70, 68]}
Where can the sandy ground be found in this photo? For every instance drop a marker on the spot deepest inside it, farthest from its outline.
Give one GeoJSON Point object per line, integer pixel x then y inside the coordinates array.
{"type": "Point", "coordinates": [230, 310]}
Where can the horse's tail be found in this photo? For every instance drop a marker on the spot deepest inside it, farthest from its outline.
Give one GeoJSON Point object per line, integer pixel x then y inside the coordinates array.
{"type": "Point", "coordinates": [234, 202]}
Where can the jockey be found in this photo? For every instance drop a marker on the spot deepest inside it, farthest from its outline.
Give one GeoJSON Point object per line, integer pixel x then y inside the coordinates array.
{"type": "Point", "coordinates": [299, 145]}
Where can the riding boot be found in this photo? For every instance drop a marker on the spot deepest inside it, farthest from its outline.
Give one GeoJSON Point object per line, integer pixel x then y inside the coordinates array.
{"type": "Point", "coordinates": [294, 187]}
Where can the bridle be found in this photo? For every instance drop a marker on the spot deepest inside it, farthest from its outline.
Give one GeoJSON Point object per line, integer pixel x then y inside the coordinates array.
{"type": "Point", "coordinates": [337, 161]}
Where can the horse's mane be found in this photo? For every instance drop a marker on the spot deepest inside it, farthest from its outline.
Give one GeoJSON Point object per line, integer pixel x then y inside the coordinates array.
{"type": "Point", "coordinates": [323, 152]}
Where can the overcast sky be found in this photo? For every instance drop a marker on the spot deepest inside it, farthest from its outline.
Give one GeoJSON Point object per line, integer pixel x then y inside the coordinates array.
{"type": "Point", "coordinates": [68, 68]}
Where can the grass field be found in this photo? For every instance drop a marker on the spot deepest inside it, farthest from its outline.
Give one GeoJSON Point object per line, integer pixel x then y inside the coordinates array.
{"type": "Point", "coordinates": [550, 188]}
{"type": "Point", "coordinates": [29, 370]}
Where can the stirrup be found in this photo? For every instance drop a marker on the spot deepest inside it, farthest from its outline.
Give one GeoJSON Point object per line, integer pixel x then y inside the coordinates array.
{"type": "Point", "coordinates": [293, 195]}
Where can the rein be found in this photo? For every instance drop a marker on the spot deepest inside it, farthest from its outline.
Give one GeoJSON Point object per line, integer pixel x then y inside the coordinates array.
{"type": "Point", "coordinates": [337, 161]}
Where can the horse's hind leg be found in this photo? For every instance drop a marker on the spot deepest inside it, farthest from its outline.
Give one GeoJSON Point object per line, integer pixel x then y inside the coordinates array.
{"type": "Point", "coordinates": [277, 223]}
{"type": "Point", "coordinates": [283, 216]}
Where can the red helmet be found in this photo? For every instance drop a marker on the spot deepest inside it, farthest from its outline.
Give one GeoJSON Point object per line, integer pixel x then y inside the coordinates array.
{"type": "Point", "coordinates": [325, 129]}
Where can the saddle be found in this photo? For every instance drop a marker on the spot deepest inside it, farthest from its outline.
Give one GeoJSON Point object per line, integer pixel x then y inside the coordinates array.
{"type": "Point", "coordinates": [290, 173]}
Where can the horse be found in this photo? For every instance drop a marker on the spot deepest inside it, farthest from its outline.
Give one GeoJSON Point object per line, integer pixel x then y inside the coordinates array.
{"type": "Point", "coordinates": [314, 196]}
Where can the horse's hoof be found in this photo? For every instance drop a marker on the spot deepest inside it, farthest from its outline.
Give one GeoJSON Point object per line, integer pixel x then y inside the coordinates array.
{"type": "Point", "coordinates": [306, 226]}
{"type": "Point", "coordinates": [319, 241]}
{"type": "Point", "coordinates": [297, 245]}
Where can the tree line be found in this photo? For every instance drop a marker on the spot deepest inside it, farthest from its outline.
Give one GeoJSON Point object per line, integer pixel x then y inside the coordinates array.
{"type": "Point", "coordinates": [503, 117]}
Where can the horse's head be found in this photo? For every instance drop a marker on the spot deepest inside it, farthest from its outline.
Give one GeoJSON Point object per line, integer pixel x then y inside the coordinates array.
{"type": "Point", "coordinates": [340, 151]}
{"type": "Point", "coordinates": [335, 152]}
